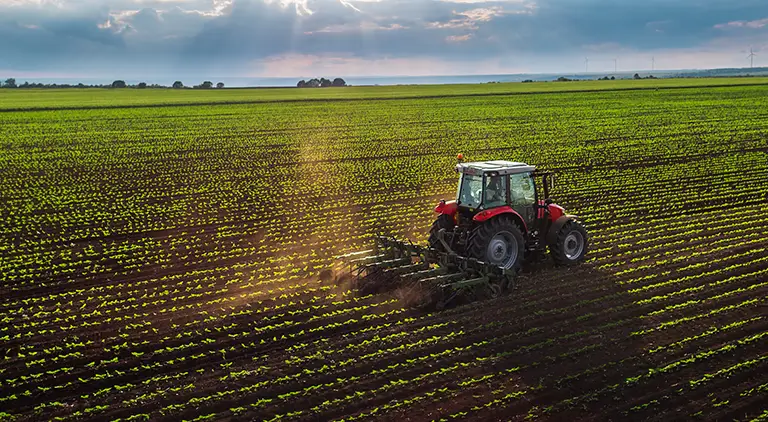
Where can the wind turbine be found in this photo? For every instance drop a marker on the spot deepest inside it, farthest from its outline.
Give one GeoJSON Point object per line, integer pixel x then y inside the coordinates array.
{"type": "Point", "coordinates": [615, 65]}
{"type": "Point", "coordinates": [653, 63]}
{"type": "Point", "coordinates": [586, 64]}
{"type": "Point", "coordinates": [751, 58]}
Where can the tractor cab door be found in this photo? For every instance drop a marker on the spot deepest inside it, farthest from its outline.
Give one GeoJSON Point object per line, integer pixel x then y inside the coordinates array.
{"type": "Point", "coordinates": [522, 192]}
{"type": "Point", "coordinates": [495, 191]}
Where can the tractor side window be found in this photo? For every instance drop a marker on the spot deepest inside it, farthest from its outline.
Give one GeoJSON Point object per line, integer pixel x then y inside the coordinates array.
{"type": "Point", "coordinates": [471, 189]}
{"type": "Point", "coordinates": [495, 192]}
{"type": "Point", "coordinates": [522, 189]}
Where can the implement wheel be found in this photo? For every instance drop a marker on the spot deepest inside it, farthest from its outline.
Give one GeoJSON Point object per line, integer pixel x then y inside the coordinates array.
{"type": "Point", "coordinates": [571, 244]}
{"type": "Point", "coordinates": [499, 242]}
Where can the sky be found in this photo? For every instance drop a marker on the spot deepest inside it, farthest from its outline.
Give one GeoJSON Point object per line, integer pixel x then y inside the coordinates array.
{"type": "Point", "coordinates": [312, 38]}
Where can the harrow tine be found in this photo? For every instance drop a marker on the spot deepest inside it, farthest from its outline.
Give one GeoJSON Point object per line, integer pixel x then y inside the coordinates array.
{"type": "Point", "coordinates": [406, 270]}
{"type": "Point", "coordinates": [364, 260]}
{"type": "Point", "coordinates": [353, 254]}
{"type": "Point", "coordinates": [424, 275]}
{"type": "Point", "coordinates": [443, 302]}
{"type": "Point", "coordinates": [390, 263]}
{"type": "Point", "coordinates": [440, 279]}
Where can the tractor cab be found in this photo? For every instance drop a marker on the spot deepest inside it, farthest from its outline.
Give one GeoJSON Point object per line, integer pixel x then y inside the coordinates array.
{"type": "Point", "coordinates": [488, 185]}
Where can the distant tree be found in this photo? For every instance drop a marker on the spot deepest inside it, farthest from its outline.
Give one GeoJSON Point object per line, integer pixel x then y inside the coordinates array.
{"type": "Point", "coordinates": [178, 85]}
{"type": "Point", "coordinates": [527, 81]}
{"type": "Point", "coordinates": [142, 85]}
{"type": "Point", "coordinates": [613, 78]}
{"type": "Point", "coordinates": [220, 85]}
{"type": "Point", "coordinates": [10, 83]}
{"type": "Point", "coordinates": [322, 82]}
{"type": "Point", "coordinates": [118, 84]}
{"type": "Point", "coordinates": [206, 85]}
{"type": "Point", "coordinates": [24, 85]}
{"type": "Point", "coordinates": [563, 79]}
{"type": "Point", "coordinates": [636, 76]}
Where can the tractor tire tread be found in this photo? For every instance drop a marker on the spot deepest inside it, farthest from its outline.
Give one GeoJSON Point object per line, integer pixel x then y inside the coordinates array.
{"type": "Point", "coordinates": [482, 234]}
{"type": "Point", "coordinates": [556, 249]}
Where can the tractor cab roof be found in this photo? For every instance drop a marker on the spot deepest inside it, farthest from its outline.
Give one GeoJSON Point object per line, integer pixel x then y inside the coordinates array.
{"type": "Point", "coordinates": [499, 167]}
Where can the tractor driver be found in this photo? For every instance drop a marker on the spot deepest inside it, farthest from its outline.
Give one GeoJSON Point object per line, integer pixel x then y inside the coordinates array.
{"type": "Point", "coordinates": [495, 192]}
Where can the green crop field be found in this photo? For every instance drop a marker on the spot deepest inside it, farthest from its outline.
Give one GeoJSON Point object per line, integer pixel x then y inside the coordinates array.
{"type": "Point", "coordinates": [25, 99]}
{"type": "Point", "coordinates": [161, 253]}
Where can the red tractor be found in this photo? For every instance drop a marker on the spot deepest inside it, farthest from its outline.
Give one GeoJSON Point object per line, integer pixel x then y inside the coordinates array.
{"type": "Point", "coordinates": [501, 215]}
{"type": "Point", "coordinates": [478, 242]}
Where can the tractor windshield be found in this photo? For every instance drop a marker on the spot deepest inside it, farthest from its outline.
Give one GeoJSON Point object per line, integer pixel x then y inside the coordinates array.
{"type": "Point", "coordinates": [470, 190]}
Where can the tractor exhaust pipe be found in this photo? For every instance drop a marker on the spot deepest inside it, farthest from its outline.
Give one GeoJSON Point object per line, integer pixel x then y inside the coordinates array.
{"type": "Point", "coordinates": [548, 182]}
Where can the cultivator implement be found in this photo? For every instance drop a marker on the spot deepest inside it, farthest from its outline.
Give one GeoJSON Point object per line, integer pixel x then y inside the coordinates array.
{"type": "Point", "coordinates": [424, 277]}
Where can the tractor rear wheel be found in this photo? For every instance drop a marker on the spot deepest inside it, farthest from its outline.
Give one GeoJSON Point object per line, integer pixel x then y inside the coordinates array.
{"type": "Point", "coordinates": [498, 241]}
{"type": "Point", "coordinates": [571, 244]}
{"type": "Point", "coordinates": [443, 221]}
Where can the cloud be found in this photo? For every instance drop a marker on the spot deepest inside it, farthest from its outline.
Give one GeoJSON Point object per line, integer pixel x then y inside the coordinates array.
{"type": "Point", "coordinates": [358, 27]}
{"type": "Point", "coordinates": [472, 18]}
{"type": "Point", "coordinates": [469, 18]}
{"type": "Point", "coordinates": [482, 14]}
{"type": "Point", "coordinates": [301, 6]}
{"type": "Point", "coordinates": [311, 65]}
{"type": "Point", "coordinates": [235, 37]}
{"type": "Point", "coordinates": [458, 38]}
{"type": "Point", "coordinates": [659, 26]}
{"type": "Point", "coordinates": [484, 1]}
{"type": "Point", "coordinates": [755, 24]}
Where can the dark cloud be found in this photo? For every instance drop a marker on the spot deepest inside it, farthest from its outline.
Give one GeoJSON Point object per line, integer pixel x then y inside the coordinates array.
{"type": "Point", "coordinates": [233, 36]}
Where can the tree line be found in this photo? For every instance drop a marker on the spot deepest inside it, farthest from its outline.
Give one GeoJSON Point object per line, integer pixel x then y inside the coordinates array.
{"type": "Point", "coordinates": [604, 78]}
{"type": "Point", "coordinates": [11, 83]}
{"type": "Point", "coordinates": [321, 83]}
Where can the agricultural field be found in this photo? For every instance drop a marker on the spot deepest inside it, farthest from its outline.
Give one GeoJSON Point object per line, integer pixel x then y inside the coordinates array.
{"type": "Point", "coordinates": [161, 255]}
{"type": "Point", "coordinates": [58, 99]}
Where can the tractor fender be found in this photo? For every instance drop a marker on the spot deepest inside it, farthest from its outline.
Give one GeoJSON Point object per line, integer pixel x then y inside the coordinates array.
{"type": "Point", "coordinates": [447, 208]}
{"type": "Point", "coordinates": [555, 211]}
{"type": "Point", "coordinates": [506, 210]}
{"type": "Point", "coordinates": [554, 229]}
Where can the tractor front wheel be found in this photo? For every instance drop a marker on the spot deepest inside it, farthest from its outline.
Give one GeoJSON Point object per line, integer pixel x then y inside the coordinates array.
{"type": "Point", "coordinates": [499, 242]}
{"type": "Point", "coordinates": [443, 221]}
{"type": "Point", "coordinates": [571, 244]}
